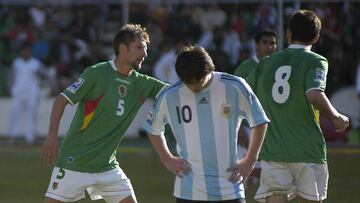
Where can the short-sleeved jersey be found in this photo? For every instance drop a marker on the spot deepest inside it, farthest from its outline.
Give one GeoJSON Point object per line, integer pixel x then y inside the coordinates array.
{"type": "Point", "coordinates": [281, 82]}
{"type": "Point", "coordinates": [107, 104]}
{"type": "Point", "coordinates": [205, 125]}
{"type": "Point", "coordinates": [245, 68]}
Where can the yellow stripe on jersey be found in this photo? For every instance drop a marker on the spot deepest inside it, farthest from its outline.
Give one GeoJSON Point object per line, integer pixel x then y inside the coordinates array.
{"type": "Point", "coordinates": [87, 120]}
{"type": "Point", "coordinates": [317, 116]}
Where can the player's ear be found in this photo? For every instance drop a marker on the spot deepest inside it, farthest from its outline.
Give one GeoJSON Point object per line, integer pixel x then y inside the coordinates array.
{"type": "Point", "coordinates": [122, 48]}
{"type": "Point", "coordinates": [315, 39]}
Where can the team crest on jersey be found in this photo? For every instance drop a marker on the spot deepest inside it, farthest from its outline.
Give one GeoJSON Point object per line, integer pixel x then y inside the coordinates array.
{"type": "Point", "coordinates": [55, 185]}
{"type": "Point", "coordinates": [76, 85]}
{"type": "Point", "coordinates": [320, 74]}
{"type": "Point", "coordinates": [226, 110]}
{"type": "Point", "coordinates": [150, 117]}
{"type": "Point", "coordinates": [122, 90]}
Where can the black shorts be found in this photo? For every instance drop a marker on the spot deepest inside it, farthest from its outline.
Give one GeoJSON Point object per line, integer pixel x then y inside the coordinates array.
{"type": "Point", "coordinates": [178, 200]}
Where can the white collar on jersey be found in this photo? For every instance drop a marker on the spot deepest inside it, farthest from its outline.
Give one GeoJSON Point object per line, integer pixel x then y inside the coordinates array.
{"type": "Point", "coordinates": [256, 58]}
{"type": "Point", "coordinates": [113, 64]}
{"type": "Point", "coordinates": [299, 46]}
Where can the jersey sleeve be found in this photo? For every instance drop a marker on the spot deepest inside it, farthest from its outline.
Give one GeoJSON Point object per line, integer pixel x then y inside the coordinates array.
{"type": "Point", "coordinates": [153, 86]}
{"type": "Point", "coordinates": [156, 118]}
{"type": "Point", "coordinates": [316, 76]}
{"type": "Point", "coordinates": [81, 87]}
{"type": "Point", "coordinates": [251, 106]}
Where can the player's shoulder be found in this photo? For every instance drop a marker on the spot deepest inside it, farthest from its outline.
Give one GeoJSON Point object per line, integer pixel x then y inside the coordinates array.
{"type": "Point", "coordinates": [249, 61]}
{"type": "Point", "coordinates": [226, 77]}
{"type": "Point", "coordinates": [167, 90]}
{"type": "Point", "coordinates": [316, 56]}
{"type": "Point", "coordinates": [145, 79]}
{"type": "Point", "coordinates": [305, 53]}
{"type": "Point", "coordinates": [170, 89]}
{"type": "Point", "coordinates": [233, 80]}
{"type": "Point", "coordinates": [98, 67]}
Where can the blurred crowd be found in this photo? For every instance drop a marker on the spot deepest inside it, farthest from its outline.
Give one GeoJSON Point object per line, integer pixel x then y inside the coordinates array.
{"type": "Point", "coordinates": [68, 38]}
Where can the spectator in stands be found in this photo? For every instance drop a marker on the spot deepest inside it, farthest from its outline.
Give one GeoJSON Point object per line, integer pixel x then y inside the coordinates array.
{"type": "Point", "coordinates": [164, 68]}
{"type": "Point", "coordinates": [25, 92]}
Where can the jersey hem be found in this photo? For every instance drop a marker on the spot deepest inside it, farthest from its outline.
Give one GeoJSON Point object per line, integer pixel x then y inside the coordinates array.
{"type": "Point", "coordinates": [88, 171]}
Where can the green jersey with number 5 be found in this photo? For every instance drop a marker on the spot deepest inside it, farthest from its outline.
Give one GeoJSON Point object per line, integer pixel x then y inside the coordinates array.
{"type": "Point", "coordinates": [107, 104]}
{"type": "Point", "coordinates": [281, 82]}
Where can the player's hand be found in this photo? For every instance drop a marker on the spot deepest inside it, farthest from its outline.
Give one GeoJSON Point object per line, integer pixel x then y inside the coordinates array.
{"type": "Point", "coordinates": [241, 171]}
{"type": "Point", "coordinates": [341, 123]}
{"type": "Point", "coordinates": [50, 150]}
{"type": "Point", "coordinates": [177, 166]}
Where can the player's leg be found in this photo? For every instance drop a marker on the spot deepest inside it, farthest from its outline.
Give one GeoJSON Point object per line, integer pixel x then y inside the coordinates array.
{"type": "Point", "coordinates": [276, 199]}
{"type": "Point", "coordinates": [113, 186]}
{"type": "Point", "coordinates": [302, 200]}
{"type": "Point", "coordinates": [311, 181]}
{"type": "Point", "coordinates": [49, 200]}
{"type": "Point", "coordinates": [67, 186]}
{"type": "Point", "coordinates": [178, 200]}
{"type": "Point", "coordinates": [276, 183]}
{"type": "Point", "coordinates": [115, 199]}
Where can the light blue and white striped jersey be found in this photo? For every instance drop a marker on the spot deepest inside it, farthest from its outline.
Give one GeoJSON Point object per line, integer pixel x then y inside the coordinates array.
{"type": "Point", "coordinates": [205, 126]}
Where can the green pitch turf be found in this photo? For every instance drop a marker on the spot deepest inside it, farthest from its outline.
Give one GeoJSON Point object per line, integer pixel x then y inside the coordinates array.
{"type": "Point", "coordinates": [23, 177]}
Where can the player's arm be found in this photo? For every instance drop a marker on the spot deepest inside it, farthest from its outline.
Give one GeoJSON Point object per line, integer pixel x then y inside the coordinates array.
{"type": "Point", "coordinates": [320, 102]}
{"type": "Point", "coordinates": [174, 164]}
{"type": "Point", "coordinates": [50, 147]}
{"type": "Point", "coordinates": [247, 164]}
{"type": "Point", "coordinates": [256, 140]}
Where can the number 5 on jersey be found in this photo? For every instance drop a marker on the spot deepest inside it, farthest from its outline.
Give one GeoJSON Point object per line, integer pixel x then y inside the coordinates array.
{"type": "Point", "coordinates": [120, 108]}
{"type": "Point", "coordinates": [281, 88]}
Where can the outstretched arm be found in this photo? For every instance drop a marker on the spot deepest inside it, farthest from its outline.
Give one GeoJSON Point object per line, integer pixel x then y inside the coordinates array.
{"type": "Point", "coordinates": [50, 147]}
{"type": "Point", "coordinates": [174, 164]}
{"type": "Point", "coordinates": [320, 102]}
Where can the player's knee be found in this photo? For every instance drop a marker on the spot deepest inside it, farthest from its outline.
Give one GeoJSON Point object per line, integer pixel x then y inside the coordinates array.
{"type": "Point", "coordinates": [120, 199]}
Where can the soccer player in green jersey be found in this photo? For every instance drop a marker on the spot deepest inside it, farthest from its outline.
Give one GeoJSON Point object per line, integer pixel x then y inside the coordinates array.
{"type": "Point", "coordinates": [109, 94]}
{"type": "Point", "coordinates": [290, 84]}
{"type": "Point", "coordinates": [266, 44]}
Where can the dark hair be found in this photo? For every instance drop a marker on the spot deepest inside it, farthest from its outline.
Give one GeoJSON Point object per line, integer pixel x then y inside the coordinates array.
{"type": "Point", "coordinates": [127, 34]}
{"type": "Point", "coordinates": [193, 64]}
{"type": "Point", "coordinates": [264, 33]}
{"type": "Point", "coordinates": [304, 26]}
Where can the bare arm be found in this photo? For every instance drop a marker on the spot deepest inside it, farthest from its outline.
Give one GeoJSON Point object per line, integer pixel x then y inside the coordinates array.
{"type": "Point", "coordinates": [50, 147]}
{"type": "Point", "coordinates": [247, 164]}
{"type": "Point", "coordinates": [320, 102]}
{"type": "Point", "coordinates": [173, 163]}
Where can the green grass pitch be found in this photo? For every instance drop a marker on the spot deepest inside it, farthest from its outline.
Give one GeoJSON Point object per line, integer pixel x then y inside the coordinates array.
{"type": "Point", "coordinates": [23, 177]}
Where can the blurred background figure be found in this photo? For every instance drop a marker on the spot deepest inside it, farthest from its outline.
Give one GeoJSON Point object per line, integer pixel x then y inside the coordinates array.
{"type": "Point", "coordinates": [357, 88]}
{"type": "Point", "coordinates": [24, 79]}
{"type": "Point", "coordinates": [164, 68]}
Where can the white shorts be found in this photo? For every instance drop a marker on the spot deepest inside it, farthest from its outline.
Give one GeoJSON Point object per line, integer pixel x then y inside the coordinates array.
{"type": "Point", "coordinates": [69, 186]}
{"type": "Point", "coordinates": [308, 180]}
